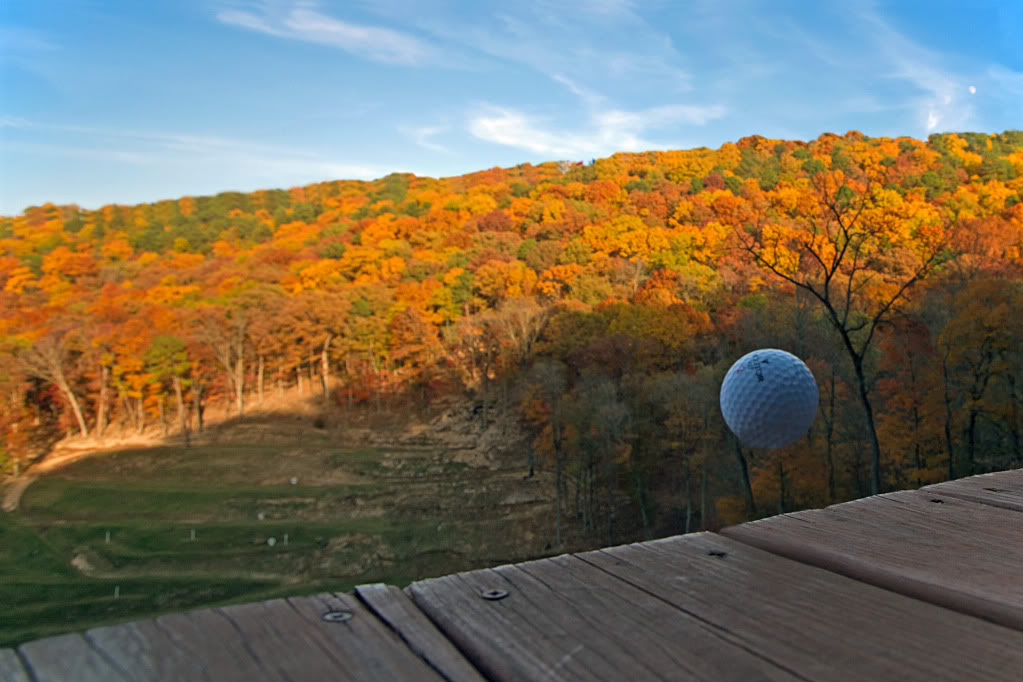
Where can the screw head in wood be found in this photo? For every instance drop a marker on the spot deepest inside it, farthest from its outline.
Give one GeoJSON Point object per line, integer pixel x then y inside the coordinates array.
{"type": "Point", "coordinates": [494, 594]}
{"type": "Point", "coordinates": [337, 616]}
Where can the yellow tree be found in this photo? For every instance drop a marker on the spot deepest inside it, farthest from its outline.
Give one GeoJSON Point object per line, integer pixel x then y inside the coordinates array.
{"type": "Point", "coordinates": [855, 246]}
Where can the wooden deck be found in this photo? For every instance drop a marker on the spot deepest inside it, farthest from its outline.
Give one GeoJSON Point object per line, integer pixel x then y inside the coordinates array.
{"type": "Point", "coordinates": [913, 585]}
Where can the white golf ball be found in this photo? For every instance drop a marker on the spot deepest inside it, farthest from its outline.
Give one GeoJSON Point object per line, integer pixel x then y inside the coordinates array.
{"type": "Point", "coordinates": [769, 398]}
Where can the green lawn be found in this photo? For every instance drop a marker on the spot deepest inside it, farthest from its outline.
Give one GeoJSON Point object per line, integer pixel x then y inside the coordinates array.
{"type": "Point", "coordinates": [387, 523]}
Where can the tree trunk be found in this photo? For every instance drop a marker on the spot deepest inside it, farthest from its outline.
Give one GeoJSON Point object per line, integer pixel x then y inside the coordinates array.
{"type": "Point", "coordinates": [239, 384]}
{"type": "Point", "coordinates": [128, 412]}
{"type": "Point", "coordinates": [101, 409]}
{"type": "Point", "coordinates": [197, 403]}
{"type": "Point", "coordinates": [918, 460]}
{"type": "Point", "coordinates": [348, 382]}
{"type": "Point", "coordinates": [858, 468]}
{"type": "Point", "coordinates": [131, 409]}
{"type": "Point", "coordinates": [163, 417]}
{"type": "Point", "coordinates": [610, 502]}
{"type": "Point", "coordinates": [875, 446]}
{"type": "Point", "coordinates": [689, 496]}
{"type": "Point", "coordinates": [1014, 427]}
{"type": "Point", "coordinates": [641, 498]}
{"type": "Point", "coordinates": [948, 418]}
{"type": "Point", "coordinates": [831, 437]}
{"type": "Point", "coordinates": [486, 394]}
{"type": "Point", "coordinates": [326, 365]}
{"type": "Point", "coordinates": [504, 406]}
{"type": "Point", "coordinates": [312, 376]}
{"type": "Point", "coordinates": [747, 489]}
{"type": "Point", "coordinates": [703, 493]}
{"type": "Point", "coordinates": [556, 433]}
{"type": "Point", "coordinates": [182, 421]}
{"type": "Point", "coordinates": [588, 521]}
{"type": "Point", "coordinates": [578, 486]}
{"type": "Point", "coordinates": [75, 407]}
{"type": "Point", "coordinates": [298, 377]}
{"type": "Point", "coordinates": [259, 380]}
{"type": "Point", "coordinates": [971, 444]}
{"type": "Point", "coordinates": [142, 414]}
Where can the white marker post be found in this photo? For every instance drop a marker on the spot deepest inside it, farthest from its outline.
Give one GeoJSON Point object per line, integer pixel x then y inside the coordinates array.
{"type": "Point", "coordinates": [108, 537]}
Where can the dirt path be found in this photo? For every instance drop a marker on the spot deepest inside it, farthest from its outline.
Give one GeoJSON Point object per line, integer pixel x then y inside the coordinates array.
{"type": "Point", "coordinates": [12, 491]}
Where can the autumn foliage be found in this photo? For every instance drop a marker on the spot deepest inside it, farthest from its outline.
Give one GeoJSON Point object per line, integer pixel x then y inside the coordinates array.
{"type": "Point", "coordinates": [608, 299]}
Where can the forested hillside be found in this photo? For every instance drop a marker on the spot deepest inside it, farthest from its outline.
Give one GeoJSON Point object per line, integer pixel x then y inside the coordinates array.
{"type": "Point", "coordinates": [609, 298]}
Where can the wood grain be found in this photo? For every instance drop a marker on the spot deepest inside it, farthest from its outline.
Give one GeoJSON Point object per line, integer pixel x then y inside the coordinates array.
{"type": "Point", "coordinates": [958, 554]}
{"type": "Point", "coordinates": [363, 647]}
{"type": "Point", "coordinates": [912, 585]}
{"type": "Point", "coordinates": [146, 652]}
{"type": "Point", "coordinates": [11, 669]}
{"type": "Point", "coordinates": [285, 640]}
{"type": "Point", "coordinates": [817, 624]}
{"type": "Point", "coordinates": [394, 608]}
{"type": "Point", "coordinates": [1002, 489]}
{"type": "Point", "coordinates": [563, 619]}
{"type": "Point", "coordinates": [69, 658]}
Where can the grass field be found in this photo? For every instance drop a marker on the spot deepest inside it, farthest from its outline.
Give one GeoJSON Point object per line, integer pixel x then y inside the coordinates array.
{"type": "Point", "coordinates": [123, 523]}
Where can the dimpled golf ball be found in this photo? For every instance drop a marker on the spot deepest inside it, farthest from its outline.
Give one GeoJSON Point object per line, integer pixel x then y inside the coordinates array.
{"type": "Point", "coordinates": [769, 398]}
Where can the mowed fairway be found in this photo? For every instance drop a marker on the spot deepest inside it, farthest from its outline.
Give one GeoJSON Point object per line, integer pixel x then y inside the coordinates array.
{"type": "Point", "coordinates": [353, 516]}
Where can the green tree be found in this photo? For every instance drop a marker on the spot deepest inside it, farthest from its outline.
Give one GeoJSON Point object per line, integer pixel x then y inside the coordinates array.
{"type": "Point", "coordinates": [167, 359]}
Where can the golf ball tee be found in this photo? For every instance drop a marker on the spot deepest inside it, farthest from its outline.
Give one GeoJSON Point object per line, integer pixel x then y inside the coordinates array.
{"type": "Point", "coordinates": [769, 398]}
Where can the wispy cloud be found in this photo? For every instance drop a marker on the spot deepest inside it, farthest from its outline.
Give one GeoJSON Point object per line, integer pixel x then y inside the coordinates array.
{"type": "Point", "coordinates": [74, 152]}
{"type": "Point", "coordinates": [157, 147]}
{"type": "Point", "coordinates": [422, 135]}
{"type": "Point", "coordinates": [581, 46]}
{"type": "Point", "coordinates": [608, 131]}
{"type": "Point", "coordinates": [601, 42]}
{"type": "Point", "coordinates": [14, 122]}
{"type": "Point", "coordinates": [301, 21]}
{"type": "Point", "coordinates": [591, 98]}
{"type": "Point", "coordinates": [1007, 82]}
{"type": "Point", "coordinates": [944, 104]}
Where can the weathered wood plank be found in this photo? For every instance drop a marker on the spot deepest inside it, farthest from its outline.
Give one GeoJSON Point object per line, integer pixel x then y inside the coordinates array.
{"type": "Point", "coordinates": [951, 552]}
{"type": "Point", "coordinates": [363, 648]}
{"type": "Point", "coordinates": [567, 620]}
{"type": "Point", "coordinates": [285, 640]}
{"type": "Point", "coordinates": [392, 606]}
{"type": "Point", "coordinates": [1000, 489]}
{"type": "Point", "coordinates": [145, 651]}
{"type": "Point", "coordinates": [69, 657]}
{"type": "Point", "coordinates": [11, 669]}
{"type": "Point", "coordinates": [211, 639]}
{"type": "Point", "coordinates": [819, 625]}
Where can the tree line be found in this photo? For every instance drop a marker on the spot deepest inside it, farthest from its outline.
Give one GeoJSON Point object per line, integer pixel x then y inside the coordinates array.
{"type": "Point", "coordinates": [601, 304]}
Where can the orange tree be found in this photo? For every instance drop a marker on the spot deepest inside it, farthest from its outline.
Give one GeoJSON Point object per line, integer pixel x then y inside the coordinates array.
{"type": "Point", "coordinates": [855, 245]}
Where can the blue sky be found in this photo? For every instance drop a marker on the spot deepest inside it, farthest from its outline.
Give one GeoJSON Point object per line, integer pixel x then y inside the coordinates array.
{"type": "Point", "coordinates": [126, 102]}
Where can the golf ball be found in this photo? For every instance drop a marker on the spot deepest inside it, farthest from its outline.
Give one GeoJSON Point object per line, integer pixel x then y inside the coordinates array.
{"type": "Point", "coordinates": [769, 398]}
